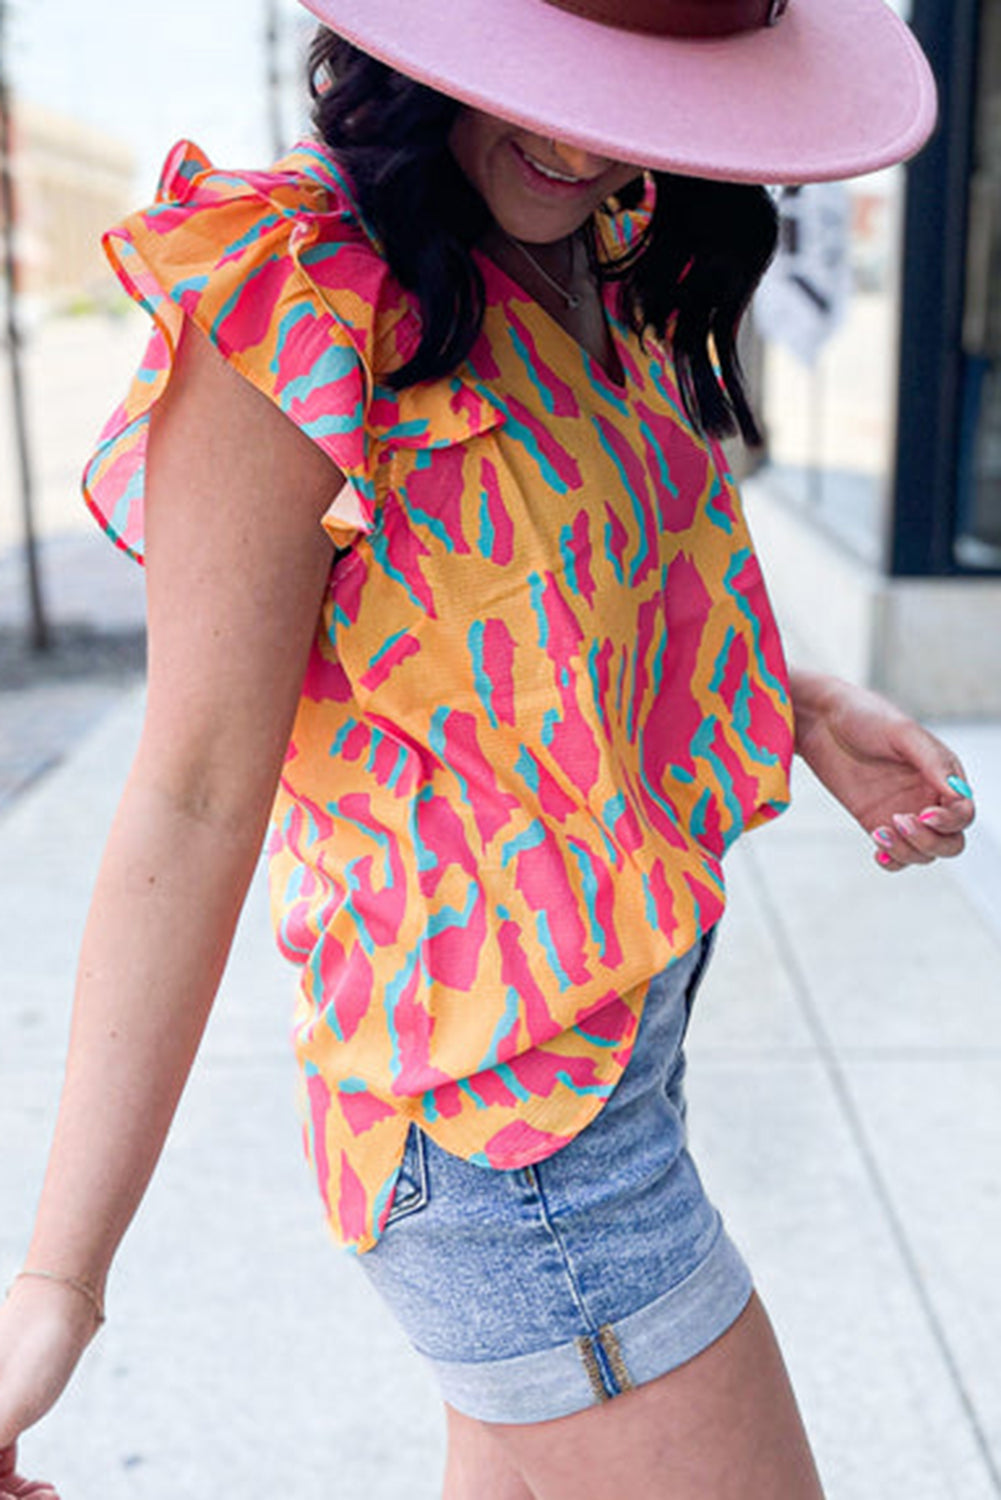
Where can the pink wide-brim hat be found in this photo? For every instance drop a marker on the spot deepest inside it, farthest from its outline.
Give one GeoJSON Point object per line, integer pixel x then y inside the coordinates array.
{"type": "Point", "coordinates": [769, 91]}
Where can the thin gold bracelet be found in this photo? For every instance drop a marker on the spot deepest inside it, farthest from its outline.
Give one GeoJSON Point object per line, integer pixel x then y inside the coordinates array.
{"type": "Point", "coordinates": [71, 1281]}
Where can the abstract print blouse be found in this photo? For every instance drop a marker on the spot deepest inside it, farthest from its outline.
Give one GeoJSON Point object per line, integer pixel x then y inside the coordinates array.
{"type": "Point", "coordinates": [546, 691]}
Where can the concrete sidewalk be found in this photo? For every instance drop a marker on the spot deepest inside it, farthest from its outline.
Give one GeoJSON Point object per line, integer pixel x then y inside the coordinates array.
{"type": "Point", "coordinates": [845, 1106]}
{"type": "Point", "coordinates": [95, 605]}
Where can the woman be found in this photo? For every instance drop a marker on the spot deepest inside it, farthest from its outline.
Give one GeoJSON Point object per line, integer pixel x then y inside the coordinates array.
{"type": "Point", "coordinates": [424, 466]}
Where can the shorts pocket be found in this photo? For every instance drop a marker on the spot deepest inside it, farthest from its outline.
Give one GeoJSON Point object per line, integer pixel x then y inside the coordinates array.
{"type": "Point", "coordinates": [412, 1189]}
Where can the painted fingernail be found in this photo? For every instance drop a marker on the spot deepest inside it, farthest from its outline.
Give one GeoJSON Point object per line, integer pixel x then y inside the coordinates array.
{"type": "Point", "coordinates": [960, 787]}
{"type": "Point", "coordinates": [882, 858]}
{"type": "Point", "coordinates": [882, 835]}
{"type": "Point", "coordinates": [905, 824]}
{"type": "Point", "coordinates": [933, 815]}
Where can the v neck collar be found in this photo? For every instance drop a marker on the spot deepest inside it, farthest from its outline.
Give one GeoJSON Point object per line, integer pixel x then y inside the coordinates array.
{"type": "Point", "coordinates": [502, 287]}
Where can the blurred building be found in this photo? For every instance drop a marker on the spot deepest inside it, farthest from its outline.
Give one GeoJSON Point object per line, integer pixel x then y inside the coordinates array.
{"type": "Point", "coordinates": [70, 182]}
{"type": "Point", "coordinates": [879, 503]}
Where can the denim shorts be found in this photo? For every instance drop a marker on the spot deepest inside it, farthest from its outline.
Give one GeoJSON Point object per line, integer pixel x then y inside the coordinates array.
{"type": "Point", "coordinates": [540, 1291]}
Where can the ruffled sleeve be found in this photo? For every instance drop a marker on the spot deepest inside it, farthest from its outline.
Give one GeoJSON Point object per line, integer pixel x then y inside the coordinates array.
{"type": "Point", "coordinates": [277, 269]}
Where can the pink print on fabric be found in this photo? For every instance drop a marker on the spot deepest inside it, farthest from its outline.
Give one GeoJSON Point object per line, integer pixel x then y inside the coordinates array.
{"type": "Point", "coordinates": [545, 691]}
{"type": "Point", "coordinates": [518, 1143]}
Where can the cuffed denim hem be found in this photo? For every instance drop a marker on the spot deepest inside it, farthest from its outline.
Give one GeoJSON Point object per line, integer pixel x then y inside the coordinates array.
{"type": "Point", "coordinates": [611, 1359]}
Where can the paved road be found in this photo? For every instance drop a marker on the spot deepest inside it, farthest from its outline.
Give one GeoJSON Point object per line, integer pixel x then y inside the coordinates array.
{"type": "Point", "coordinates": [76, 371]}
{"type": "Point", "coordinates": [49, 702]}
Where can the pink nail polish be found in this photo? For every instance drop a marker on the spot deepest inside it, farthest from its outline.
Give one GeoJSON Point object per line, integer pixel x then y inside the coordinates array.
{"type": "Point", "coordinates": [931, 816]}
{"type": "Point", "coordinates": [882, 835]}
{"type": "Point", "coordinates": [904, 823]}
{"type": "Point", "coordinates": [882, 858]}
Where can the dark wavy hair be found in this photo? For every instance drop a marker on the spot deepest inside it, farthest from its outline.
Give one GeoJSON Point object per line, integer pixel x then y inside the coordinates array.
{"type": "Point", "coordinates": [687, 278]}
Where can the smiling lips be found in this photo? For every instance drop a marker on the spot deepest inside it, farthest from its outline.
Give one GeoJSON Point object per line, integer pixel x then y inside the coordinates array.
{"type": "Point", "coordinates": [554, 179]}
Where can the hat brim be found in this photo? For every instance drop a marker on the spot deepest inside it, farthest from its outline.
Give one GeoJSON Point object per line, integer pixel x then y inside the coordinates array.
{"type": "Point", "coordinates": [836, 89]}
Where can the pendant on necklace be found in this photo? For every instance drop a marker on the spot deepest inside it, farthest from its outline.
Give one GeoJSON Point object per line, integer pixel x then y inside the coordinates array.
{"type": "Point", "coordinates": [571, 299]}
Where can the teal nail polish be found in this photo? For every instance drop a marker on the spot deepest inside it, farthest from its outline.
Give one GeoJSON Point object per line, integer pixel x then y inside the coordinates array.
{"type": "Point", "coordinates": [960, 787]}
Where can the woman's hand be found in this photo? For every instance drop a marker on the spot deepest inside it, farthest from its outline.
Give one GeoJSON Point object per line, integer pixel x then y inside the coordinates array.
{"type": "Point", "coordinates": [906, 788]}
{"type": "Point", "coordinates": [44, 1329]}
{"type": "Point", "coordinates": [13, 1486]}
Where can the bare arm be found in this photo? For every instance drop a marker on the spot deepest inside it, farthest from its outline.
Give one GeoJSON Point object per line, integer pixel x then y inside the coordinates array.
{"type": "Point", "coordinates": [237, 563]}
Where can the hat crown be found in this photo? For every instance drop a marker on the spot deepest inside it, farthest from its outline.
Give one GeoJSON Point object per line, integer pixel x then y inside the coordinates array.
{"type": "Point", "coordinates": [679, 18]}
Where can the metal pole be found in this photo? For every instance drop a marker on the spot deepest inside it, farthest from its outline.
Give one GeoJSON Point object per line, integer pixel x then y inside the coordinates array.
{"type": "Point", "coordinates": [274, 76]}
{"type": "Point", "coordinates": [39, 634]}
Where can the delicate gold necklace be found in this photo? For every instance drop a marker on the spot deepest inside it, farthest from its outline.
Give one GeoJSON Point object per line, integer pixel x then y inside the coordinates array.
{"type": "Point", "coordinates": [571, 299]}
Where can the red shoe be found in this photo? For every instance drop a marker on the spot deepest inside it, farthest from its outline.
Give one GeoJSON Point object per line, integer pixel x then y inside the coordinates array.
{"type": "Point", "coordinates": [13, 1487]}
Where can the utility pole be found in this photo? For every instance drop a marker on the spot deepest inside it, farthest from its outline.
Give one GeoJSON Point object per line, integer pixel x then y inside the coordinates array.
{"type": "Point", "coordinates": [39, 635]}
{"type": "Point", "coordinates": [272, 43]}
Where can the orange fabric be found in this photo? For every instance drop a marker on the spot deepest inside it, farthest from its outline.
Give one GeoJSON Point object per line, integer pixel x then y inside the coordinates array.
{"type": "Point", "coordinates": [545, 695]}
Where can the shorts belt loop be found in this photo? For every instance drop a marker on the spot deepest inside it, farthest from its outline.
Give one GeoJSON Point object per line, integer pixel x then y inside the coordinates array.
{"type": "Point", "coordinates": [589, 1359]}
{"type": "Point", "coordinates": [610, 1344]}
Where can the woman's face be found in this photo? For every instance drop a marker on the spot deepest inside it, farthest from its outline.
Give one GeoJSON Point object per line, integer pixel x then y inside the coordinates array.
{"type": "Point", "coordinates": [537, 189]}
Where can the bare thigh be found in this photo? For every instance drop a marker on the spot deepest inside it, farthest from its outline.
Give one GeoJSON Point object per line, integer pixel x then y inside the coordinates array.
{"type": "Point", "coordinates": [724, 1426]}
